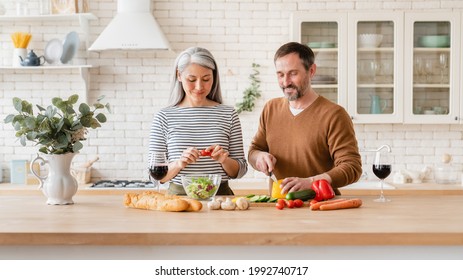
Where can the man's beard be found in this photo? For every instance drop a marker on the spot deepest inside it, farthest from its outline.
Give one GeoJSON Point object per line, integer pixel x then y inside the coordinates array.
{"type": "Point", "coordinates": [293, 97]}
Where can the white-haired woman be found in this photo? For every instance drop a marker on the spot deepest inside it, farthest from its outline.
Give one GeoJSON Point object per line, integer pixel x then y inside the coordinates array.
{"type": "Point", "coordinates": [198, 133]}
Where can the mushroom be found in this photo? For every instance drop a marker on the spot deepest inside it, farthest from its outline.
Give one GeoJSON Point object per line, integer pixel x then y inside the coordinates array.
{"type": "Point", "coordinates": [242, 203]}
{"type": "Point", "coordinates": [228, 204]}
{"type": "Point", "coordinates": [214, 204]}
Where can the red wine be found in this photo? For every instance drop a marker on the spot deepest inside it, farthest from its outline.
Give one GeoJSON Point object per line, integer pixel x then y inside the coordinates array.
{"type": "Point", "coordinates": [382, 170]}
{"type": "Point", "coordinates": [158, 172]}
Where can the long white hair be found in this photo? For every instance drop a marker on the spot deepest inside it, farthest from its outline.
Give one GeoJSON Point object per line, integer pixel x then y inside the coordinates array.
{"type": "Point", "coordinates": [201, 57]}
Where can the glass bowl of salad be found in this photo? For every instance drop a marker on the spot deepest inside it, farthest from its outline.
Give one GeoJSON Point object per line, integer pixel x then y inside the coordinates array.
{"type": "Point", "coordinates": [201, 186]}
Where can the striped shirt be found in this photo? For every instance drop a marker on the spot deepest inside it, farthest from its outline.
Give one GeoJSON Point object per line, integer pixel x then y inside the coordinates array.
{"type": "Point", "coordinates": [175, 129]}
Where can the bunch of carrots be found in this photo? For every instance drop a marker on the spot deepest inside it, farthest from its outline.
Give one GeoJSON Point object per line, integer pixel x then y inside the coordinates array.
{"type": "Point", "coordinates": [20, 39]}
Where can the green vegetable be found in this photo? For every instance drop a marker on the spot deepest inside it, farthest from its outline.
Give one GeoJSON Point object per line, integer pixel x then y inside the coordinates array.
{"type": "Point", "coordinates": [302, 195]}
{"type": "Point", "coordinates": [201, 188]}
{"type": "Point", "coordinates": [254, 198]}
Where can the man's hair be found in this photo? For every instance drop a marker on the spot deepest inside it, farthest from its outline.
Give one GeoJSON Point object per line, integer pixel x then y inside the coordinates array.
{"type": "Point", "coordinates": [305, 53]}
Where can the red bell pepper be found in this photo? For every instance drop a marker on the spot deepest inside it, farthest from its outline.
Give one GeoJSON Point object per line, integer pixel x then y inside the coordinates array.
{"type": "Point", "coordinates": [323, 190]}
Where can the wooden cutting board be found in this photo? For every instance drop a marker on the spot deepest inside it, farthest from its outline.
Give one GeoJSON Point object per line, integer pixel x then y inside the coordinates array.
{"type": "Point", "coordinates": [272, 204]}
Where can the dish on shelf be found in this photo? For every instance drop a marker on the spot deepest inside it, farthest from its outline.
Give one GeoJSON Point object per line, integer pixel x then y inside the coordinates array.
{"type": "Point", "coordinates": [370, 40]}
{"type": "Point", "coordinates": [70, 47]}
{"type": "Point", "coordinates": [53, 51]}
{"type": "Point", "coordinates": [321, 45]}
{"type": "Point", "coordinates": [434, 41]}
{"type": "Point", "coordinates": [324, 79]}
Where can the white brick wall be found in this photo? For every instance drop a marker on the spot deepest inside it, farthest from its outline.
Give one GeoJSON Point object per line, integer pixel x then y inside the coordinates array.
{"type": "Point", "coordinates": [137, 83]}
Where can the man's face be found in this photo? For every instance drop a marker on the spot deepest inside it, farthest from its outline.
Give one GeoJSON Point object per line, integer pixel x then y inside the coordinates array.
{"type": "Point", "coordinates": [293, 79]}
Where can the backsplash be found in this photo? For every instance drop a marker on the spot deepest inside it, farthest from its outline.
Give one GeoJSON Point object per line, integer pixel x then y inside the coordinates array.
{"type": "Point", "coordinates": [136, 83]}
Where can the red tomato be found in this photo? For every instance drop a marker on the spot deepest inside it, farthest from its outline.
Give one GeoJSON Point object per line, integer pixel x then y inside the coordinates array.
{"type": "Point", "coordinates": [282, 201]}
{"type": "Point", "coordinates": [298, 203]}
{"type": "Point", "coordinates": [280, 206]}
{"type": "Point", "coordinates": [205, 153]}
{"type": "Point", "coordinates": [290, 203]}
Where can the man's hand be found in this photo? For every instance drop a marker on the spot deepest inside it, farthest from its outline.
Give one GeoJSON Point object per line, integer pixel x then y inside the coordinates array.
{"type": "Point", "coordinates": [265, 162]}
{"type": "Point", "coordinates": [293, 184]}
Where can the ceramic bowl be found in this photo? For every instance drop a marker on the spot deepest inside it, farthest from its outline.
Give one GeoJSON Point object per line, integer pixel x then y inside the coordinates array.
{"type": "Point", "coordinates": [434, 41]}
{"type": "Point", "coordinates": [370, 40]}
{"type": "Point", "coordinates": [201, 186]}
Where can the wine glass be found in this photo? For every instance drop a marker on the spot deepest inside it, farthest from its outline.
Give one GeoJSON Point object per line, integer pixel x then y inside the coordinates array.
{"type": "Point", "coordinates": [158, 167]}
{"type": "Point", "coordinates": [419, 69]}
{"type": "Point", "coordinates": [429, 70]}
{"type": "Point", "coordinates": [382, 169]}
{"type": "Point", "coordinates": [443, 64]}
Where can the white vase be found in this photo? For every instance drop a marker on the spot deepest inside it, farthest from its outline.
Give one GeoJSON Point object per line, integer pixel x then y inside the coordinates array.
{"type": "Point", "coordinates": [59, 186]}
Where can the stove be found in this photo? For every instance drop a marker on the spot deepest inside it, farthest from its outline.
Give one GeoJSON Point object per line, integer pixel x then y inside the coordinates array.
{"type": "Point", "coordinates": [122, 184]}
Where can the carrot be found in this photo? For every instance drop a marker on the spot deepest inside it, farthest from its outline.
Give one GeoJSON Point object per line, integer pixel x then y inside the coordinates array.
{"type": "Point", "coordinates": [317, 205]}
{"type": "Point", "coordinates": [351, 203]}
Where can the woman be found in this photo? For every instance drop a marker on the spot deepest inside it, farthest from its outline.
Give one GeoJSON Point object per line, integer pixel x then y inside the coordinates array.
{"type": "Point", "coordinates": [198, 133]}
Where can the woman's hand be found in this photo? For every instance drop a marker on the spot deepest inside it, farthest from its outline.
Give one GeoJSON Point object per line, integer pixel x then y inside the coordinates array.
{"type": "Point", "coordinates": [188, 156]}
{"type": "Point", "coordinates": [218, 153]}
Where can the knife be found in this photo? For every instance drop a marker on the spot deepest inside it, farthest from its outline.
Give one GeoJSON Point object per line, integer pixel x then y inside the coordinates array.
{"type": "Point", "coordinates": [272, 176]}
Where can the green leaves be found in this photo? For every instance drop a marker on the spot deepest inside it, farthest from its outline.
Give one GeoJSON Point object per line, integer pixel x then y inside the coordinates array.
{"type": "Point", "coordinates": [58, 128]}
{"type": "Point", "coordinates": [251, 93]}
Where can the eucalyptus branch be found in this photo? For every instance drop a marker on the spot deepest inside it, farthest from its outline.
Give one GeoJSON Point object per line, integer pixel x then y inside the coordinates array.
{"type": "Point", "coordinates": [251, 93]}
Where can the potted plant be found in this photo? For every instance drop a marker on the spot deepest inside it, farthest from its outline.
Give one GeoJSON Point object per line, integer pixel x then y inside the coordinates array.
{"type": "Point", "coordinates": [58, 130]}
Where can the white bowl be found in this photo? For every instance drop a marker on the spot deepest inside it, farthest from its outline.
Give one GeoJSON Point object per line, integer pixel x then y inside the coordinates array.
{"type": "Point", "coordinates": [370, 40]}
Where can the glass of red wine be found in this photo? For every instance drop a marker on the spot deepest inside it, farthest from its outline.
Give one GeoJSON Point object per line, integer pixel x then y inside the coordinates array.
{"type": "Point", "coordinates": [158, 167]}
{"type": "Point", "coordinates": [382, 169]}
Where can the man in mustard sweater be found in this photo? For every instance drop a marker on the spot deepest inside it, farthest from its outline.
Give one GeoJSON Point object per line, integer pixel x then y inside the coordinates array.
{"type": "Point", "coordinates": [304, 137]}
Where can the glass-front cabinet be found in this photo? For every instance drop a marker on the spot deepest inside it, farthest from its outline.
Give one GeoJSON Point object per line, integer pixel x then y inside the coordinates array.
{"type": "Point", "coordinates": [374, 62]}
{"type": "Point", "coordinates": [326, 36]}
{"type": "Point", "coordinates": [432, 64]}
{"type": "Point", "coordinates": [388, 67]}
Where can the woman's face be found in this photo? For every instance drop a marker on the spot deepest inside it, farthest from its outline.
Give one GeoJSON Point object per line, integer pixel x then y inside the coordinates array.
{"type": "Point", "coordinates": [196, 82]}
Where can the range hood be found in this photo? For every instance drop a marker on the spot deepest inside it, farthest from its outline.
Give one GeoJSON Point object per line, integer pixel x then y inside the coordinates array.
{"type": "Point", "coordinates": [133, 28]}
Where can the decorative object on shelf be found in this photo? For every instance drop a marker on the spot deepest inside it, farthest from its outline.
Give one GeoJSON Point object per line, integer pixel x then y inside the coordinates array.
{"type": "Point", "coordinates": [251, 93]}
{"type": "Point", "coordinates": [63, 6]}
{"type": "Point", "coordinates": [32, 59]}
{"type": "Point", "coordinates": [44, 7]}
{"type": "Point", "coordinates": [370, 40]}
{"type": "Point", "coordinates": [53, 51]}
{"type": "Point", "coordinates": [434, 41]}
{"type": "Point", "coordinates": [59, 131]}
{"type": "Point", "coordinates": [70, 47]}
{"type": "Point", "coordinates": [20, 42]}
{"type": "Point", "coordinates": [377, 105]}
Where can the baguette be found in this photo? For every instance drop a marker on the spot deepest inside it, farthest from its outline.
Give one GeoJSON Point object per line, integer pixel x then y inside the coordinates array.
{"type": "Point", "coordinates": [152, 200]}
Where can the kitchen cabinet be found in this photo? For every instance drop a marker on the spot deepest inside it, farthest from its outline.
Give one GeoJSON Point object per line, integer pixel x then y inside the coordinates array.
{"type": "Point", "coordinates": [432, 56]}
{"type": "Point", "coordinates": [326, 35]}
{"type": "Point", "coordinates": [375, 57]}
{"type": "Point", "coordinates": [82, 18]}
{"type": "Point", "coordinates": [383, 83]}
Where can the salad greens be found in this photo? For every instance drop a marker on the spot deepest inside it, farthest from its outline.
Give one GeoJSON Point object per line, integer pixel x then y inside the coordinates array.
{"type": "Point", "coordinates": [201, 188]}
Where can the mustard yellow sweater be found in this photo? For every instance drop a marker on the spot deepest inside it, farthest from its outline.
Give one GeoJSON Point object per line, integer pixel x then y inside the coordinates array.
{"type": "Point", "coordinates": [319, 139]}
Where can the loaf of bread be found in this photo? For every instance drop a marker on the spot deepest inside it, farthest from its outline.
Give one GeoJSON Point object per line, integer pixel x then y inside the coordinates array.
{"type": "Point", "coordinates": [152, 200]}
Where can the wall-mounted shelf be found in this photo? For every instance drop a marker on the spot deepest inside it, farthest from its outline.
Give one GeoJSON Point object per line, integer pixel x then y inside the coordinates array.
{"type": "Point", "coordinates": [83, 70]}
{"type": "Point", "coordinates": [83, 19]}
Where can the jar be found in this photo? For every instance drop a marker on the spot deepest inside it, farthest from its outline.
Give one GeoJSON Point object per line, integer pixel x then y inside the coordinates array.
{"type": "Point", "coordinates": [446, 172]}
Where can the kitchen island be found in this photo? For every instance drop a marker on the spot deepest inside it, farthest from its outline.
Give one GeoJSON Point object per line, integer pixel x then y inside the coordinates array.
{"type": "Point", "coordinates": [100, 226]}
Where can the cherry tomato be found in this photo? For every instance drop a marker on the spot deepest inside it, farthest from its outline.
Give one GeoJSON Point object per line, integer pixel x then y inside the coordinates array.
{"type": "Point", "coordinates": [279, 206]}
{"type": "Point", "coordinates": [290, 203]}
{"type": "Point", "coordinates": [205, 153]}
{"type": "Point", "coordinates": [298, 203]}
{"type": "Point", "coordinates": [282, 201]}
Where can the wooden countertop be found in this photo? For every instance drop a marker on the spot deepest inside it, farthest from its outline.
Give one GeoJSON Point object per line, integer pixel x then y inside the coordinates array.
{"type": "Point", "coordinates": [103, 220]}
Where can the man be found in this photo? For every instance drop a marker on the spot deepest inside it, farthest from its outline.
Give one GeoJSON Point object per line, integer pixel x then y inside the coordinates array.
{"type": "Point", "coordinates": [304, 137]}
